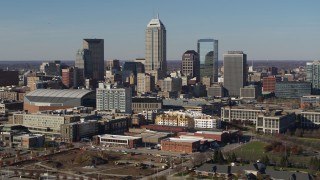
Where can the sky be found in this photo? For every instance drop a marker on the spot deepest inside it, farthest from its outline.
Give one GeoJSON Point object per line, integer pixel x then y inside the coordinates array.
{"type": "Point", "coordinates": [264, 30]}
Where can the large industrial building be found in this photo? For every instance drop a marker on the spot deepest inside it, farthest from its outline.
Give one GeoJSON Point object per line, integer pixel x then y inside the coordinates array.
{"type": "Point", "coordinates": [44, 123]}
{"type": "Point", "coordinates": [52, 99]}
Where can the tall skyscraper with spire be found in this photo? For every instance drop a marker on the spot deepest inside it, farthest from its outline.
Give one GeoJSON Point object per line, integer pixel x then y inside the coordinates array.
{"type": "Point", "coordinates": [156, 49]}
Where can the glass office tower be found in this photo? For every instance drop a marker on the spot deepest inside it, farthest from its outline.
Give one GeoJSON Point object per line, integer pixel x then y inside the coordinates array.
{"type": "Point", "coordinates": [313, 72]}
{"type": "Point", "coordinates": [208, 53]}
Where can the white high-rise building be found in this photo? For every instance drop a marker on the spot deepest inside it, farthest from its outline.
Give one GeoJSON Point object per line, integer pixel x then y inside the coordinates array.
{"type": "Point", "coordinates": [145, 83]}
{"type": "Point", "coordinates": [114, 99]}
{"type": "Point", "coordinates": [156, 49]}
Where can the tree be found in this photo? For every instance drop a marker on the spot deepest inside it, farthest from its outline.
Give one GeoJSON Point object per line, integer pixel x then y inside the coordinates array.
{"type": "Point", "coordinates": [218, 157]}
{"type": "Point", "coordinates": [232, 157]}
{"type": "Point", "coordinates": [284, 161]}
{"type": "Point", "coordinates": [198, 159]}
{"type": "Point", "coordinates": [265, 160]}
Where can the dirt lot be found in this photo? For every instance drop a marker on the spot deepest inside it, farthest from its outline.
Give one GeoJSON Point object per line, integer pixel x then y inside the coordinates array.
{"type": "Point", "coordinates": [105, 164]}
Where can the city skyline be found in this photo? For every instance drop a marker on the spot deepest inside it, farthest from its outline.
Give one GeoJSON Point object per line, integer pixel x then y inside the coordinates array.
{"type": "Point", "coordinates": [37, 30]}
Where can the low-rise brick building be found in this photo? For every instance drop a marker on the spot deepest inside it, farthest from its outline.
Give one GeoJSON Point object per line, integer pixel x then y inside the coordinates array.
{"type": "Point", "coordinates": [180, 145]}
{"type": "Point", "coordinates": [219, 136]}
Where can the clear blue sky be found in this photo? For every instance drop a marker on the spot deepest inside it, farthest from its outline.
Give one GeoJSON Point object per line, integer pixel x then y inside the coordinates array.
{"type": "Point", "coordinates": [54, 29]}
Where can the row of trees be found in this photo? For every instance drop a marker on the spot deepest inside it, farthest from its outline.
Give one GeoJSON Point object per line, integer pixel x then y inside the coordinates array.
{"type": "Point", "coordinates": [302, 132]}
{"type": "Point", "coordinates": [277, 146]}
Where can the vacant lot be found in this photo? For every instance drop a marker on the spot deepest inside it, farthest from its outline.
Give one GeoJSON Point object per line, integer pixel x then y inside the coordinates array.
{"type": "Point", "coordinates": [102, 164]}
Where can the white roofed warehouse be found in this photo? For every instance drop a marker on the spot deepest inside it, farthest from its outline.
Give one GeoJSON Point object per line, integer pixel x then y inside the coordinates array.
{"type": "Point", "coordinates": [52, 99]}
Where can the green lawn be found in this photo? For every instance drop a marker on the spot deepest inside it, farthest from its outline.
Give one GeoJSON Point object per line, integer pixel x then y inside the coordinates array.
{"type": "Point", "coordinates": [253, 151]}
{"type": "Point", "coordinates": [255, 146]}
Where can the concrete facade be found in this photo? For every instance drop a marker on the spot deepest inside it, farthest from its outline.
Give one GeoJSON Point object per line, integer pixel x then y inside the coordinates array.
{"type": "Point", "coordinates": [114, 99]}
{"type": "Point", "coordinates": [235, 72]}
{"type": "Point", "coordinates": [190, 65]}
{"type": "Point", "coordinates": [140, 104]}
{"type": "Point", "coordinates": [156, 49]}
{"type": "Point", "coordinates": [145, 83]}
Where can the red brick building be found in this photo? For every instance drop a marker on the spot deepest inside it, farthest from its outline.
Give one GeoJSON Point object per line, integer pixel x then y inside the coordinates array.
{"type": "Point", "coordinates": [223, 137]}
{"type": "Point", "coordinates": [180, 145]}
{"type": "Point", "coordinates": [67, 77]}
{"type": "Point", "coordinates": [269, 84]}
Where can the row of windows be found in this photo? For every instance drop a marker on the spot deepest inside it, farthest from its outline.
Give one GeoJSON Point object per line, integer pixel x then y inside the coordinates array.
{"type": "Point", "coordinates": [155, 106]}
{"type": "Point", "coordinates": [271, 123]}
{"type": "Point", "coordinates": [114, 141]}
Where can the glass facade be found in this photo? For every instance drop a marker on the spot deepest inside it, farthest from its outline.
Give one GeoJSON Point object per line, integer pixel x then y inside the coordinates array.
{"type": "Point", "coordinates": [292, 89]}
{"type": "Point", "coordinates": [208, 53]}
{"type": "Point", "coordinates": [84, 66]}
{"type": "Point", "coordinates": [313, 72]}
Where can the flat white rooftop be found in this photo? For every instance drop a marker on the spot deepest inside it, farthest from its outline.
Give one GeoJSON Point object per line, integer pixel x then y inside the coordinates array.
{"type": "Point", "coordinates": [110, 136]}
{"type": "Point", "coordinates": [30, 135]}
{"type": "Point", "coordinates": [209, 132]}
{"type": "Point", "coordinates": [183, 140]}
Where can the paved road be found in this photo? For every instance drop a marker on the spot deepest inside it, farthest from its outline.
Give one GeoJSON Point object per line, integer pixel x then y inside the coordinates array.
{"type": "Point", "coordinates": [138, 150]}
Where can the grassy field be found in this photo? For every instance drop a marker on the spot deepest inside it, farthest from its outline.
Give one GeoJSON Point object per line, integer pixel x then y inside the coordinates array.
{"type": "Point", "coordinates": [251, 151]}
{"type": "Point", "coordinates": [254, 151]}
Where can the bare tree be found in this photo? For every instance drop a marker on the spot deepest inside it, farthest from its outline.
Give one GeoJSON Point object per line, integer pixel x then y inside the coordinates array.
{"type": "Point", "coordinates": [198, 158]}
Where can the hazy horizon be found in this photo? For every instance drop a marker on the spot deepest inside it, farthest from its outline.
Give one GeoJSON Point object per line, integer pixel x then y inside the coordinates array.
{"type": "Point", "coordinates": [279, 30]}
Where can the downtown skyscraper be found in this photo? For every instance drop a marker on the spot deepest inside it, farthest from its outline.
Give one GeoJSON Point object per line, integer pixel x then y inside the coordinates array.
{"type": "Point", "coordinates": [83, 66]}
{"type": "Point", "coordinates": [156, 49]}
{"type": "Point", "coordinates": [190, 65]}
{"type": "Point", "coordinates": [208, 53]}
{"type": "Point", "coordinates": [96, 48]}
{"type": "Point", "coordinates": [235, 72]}
{"type": "Point", "coordinates": [313, 75]}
